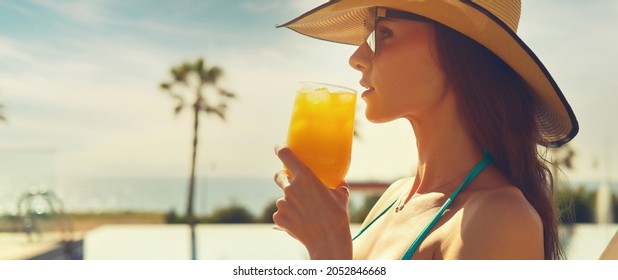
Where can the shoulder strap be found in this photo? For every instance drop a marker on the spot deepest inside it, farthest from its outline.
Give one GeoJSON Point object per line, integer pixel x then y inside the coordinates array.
{"type": "Point", "coordinates": [374, 219]}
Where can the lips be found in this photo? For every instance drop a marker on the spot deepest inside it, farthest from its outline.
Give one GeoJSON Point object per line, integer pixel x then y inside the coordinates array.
{"type": "Point", "coordinates": [367, 92]}
{"type": "Point", "coordinates": [368, 88]}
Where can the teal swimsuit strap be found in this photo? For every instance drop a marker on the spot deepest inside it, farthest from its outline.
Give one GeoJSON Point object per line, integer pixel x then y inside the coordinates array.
{"type": "Point", "coordinates": [374, 219]}
{"type": "Point", "coordinates": [475, 171]}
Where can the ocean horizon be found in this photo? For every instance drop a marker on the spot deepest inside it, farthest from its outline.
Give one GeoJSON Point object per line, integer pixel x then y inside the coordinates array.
{"type": "Point", "coordinates": [165, 194]}
{"type": "Point", "coordinates": [154, 194]}
{"type": "Point", "coordinates": [150, 194]}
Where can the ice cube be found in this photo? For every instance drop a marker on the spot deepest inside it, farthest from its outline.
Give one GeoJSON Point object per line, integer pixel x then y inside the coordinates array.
{"type": "Point", "coordinates": [318, 95]}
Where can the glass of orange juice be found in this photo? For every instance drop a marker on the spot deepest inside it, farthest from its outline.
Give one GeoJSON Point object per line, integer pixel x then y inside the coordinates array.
{"type": "Point", "coordinates": [321, 130]}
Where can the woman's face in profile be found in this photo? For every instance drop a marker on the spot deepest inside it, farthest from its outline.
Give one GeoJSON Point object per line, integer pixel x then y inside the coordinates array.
{"type": "Point", "coordinates": [404, 77]}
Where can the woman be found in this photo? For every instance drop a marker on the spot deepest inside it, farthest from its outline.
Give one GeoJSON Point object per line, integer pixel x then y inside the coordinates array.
{"type": "Point", "coordinates": [479, 103]}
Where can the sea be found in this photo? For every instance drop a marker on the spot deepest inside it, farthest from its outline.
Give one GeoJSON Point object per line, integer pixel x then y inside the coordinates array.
{"type": "Point", "coordinates": [154, 194]}
{"type": "Point", "coordinates": [149, 194]}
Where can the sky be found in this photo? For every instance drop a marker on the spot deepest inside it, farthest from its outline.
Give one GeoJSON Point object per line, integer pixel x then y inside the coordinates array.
{"type": "Point", "coordinates": [79, 85]}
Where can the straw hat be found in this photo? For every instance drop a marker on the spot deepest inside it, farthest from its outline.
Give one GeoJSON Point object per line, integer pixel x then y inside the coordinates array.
{"type": "Point", "coordinates": [491, 23]}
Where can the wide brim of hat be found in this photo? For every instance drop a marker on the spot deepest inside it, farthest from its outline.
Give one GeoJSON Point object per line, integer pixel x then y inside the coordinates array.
{"type": "Point", "coordinates": [342, 21]}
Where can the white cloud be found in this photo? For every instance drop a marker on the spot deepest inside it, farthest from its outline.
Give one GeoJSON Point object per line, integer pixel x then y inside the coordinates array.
{"type": "Point", "coordinates": [91, 91]}
{"type": "Point", "coordinates": [306, 5]}
{"type": "Point", "coordinates": [12, 50]}
{"type": "Point", "coordinates": [162, 28]}
{"type": "Point", "coordinates": [90, 12]}
{"type": "Point", "coordinates": [12, 6]}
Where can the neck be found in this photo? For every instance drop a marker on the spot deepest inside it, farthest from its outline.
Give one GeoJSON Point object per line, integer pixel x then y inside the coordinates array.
{"type": "Point", "coordinates": [446, 152]}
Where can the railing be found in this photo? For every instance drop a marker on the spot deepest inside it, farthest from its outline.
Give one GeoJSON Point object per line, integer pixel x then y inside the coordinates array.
{"type": "Point", "coordinates": [42, 211]}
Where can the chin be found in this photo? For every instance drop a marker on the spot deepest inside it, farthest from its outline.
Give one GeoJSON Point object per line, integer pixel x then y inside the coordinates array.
{"type": "Point", "coordinates": [376, 118]}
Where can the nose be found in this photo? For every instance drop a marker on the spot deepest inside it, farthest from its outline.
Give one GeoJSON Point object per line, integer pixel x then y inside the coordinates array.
{"type": "Point", "coordinates": [361, 58]}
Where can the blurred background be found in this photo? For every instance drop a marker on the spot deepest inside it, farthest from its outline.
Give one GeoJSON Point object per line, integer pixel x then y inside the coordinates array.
{"type": "Point", "coordinates": [97, 129]}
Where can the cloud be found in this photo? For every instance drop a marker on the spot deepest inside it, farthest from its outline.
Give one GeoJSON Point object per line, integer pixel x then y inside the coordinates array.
{"type": "Point", "coordinates": [14, 50]}
{"type": "Point", "coordinates": [261, 7]}
{"type": "Point", "coordinates": [91, 89]}
{"type": "Point", "coordinates": [306, 5]}
{"type": "Point", "coordinates": [162, 28]}
{"type": "Point", "coordinates": [16, 8]}
{"type": "Point", "coordinates": [90, 12]}
{"type": "Point", "coordinates": [278, 5]}
{"type": "Point", "coordinates": [106, 13]}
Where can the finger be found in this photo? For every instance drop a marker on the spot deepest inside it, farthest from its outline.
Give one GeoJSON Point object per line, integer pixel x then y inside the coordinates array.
{"type": "Point", "coordinates": [276, 227]}
{"type": "Point", "coordinates": [344, 189]}
{"type": "Point", "coordinates": [343, 184]}
{"type": "Point", "coordinates": [278, 222]}
{"type": "Point", "coordinates": [282, 223]}
{"type": "Point", "coordinates": [281, 179]}
{"type": "Point", "coordinates": [290, 160]}
{"type": "Point", "coordinates": [278, 216]}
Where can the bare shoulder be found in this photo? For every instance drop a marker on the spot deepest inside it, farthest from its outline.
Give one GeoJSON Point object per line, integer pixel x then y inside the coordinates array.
{"type": "Point", "coordinates": [499, 223]}
{"type": "Point", "coordinates": [502, 201]}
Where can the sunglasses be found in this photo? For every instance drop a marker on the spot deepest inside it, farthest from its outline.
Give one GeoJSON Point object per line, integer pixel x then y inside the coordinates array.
{"type": "Point", "coordinates": [377, 13]}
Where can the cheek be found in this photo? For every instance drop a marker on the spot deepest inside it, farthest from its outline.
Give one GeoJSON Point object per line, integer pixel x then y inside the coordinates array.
{"type": "Point", "coordinates": [420, 71]}
{"type": "Point", "coordinates": [409, 83]}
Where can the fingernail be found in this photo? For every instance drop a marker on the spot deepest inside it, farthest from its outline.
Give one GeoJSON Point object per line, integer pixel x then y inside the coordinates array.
{"type": "Point", "coordinates": [277, 148]}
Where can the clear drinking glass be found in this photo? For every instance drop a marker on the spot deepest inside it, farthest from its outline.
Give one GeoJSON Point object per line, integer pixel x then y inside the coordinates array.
{"type": "Point", "coordinates": [321, 130]}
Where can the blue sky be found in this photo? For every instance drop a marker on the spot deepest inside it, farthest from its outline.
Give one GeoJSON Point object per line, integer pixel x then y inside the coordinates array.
{"type": "Point", "coordinates": [79, 84]}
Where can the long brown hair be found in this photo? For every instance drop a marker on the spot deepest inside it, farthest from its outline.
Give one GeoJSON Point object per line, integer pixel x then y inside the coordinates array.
{"type": "Point", "coordinates": [498, 109]}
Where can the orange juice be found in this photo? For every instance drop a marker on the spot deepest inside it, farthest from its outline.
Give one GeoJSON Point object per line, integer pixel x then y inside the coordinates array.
{"type": "Point", "coordinates": [321, 131]}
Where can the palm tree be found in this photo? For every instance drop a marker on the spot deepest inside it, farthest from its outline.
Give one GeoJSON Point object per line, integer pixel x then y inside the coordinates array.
{"type": "Point", "coordinates": [2, 118]}
{"type": "Point", "coordinates": [562, 158]}
{"type": "Point", "coordinates": [195, 79]}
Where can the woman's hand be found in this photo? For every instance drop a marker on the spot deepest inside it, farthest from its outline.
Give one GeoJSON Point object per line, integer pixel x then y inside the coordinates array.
{"type": "Point", "coordinates": [315, 215]}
